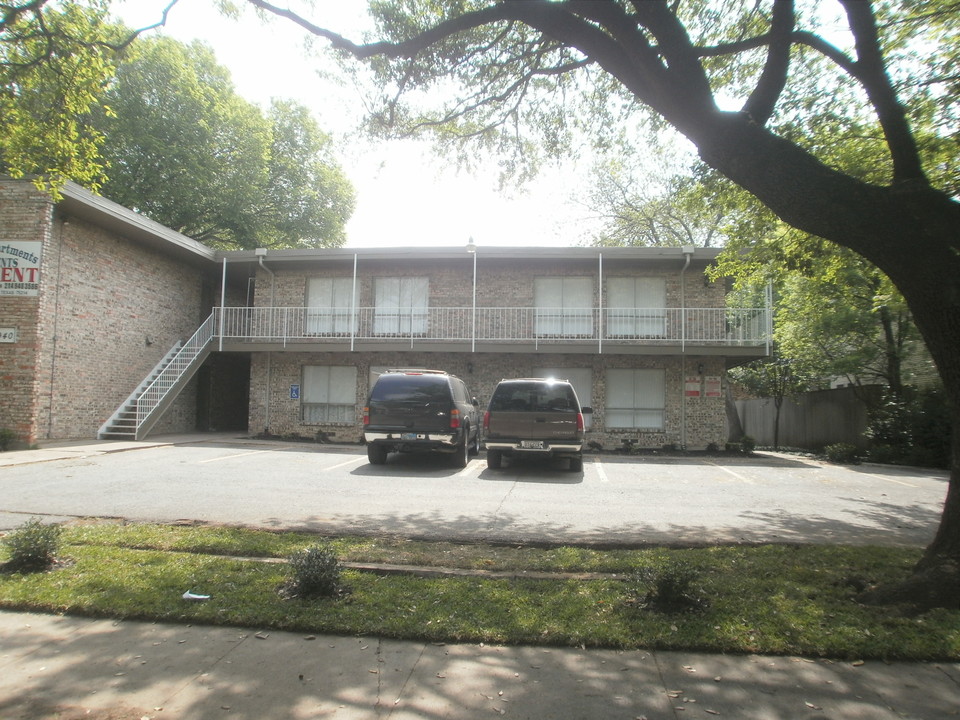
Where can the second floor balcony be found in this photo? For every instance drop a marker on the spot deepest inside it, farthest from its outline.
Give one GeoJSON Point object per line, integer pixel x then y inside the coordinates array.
{"type": "Point", "coordinates": [719, 331]}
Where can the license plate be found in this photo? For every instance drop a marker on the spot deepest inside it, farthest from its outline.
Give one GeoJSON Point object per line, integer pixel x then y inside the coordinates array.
{"type": "Point", "coordinates": [531, 444]}
{"type": "Point", "coordinates": [408, 436]}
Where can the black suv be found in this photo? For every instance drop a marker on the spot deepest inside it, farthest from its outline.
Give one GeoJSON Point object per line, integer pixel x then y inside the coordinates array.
{"type": "Point", "coordinates": [421, 410]}
{"type": "Point", "coordinates": [538, 417]}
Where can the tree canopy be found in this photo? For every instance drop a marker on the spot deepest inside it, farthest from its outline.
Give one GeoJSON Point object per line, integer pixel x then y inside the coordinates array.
{"type": "Point", "coordinates": [184, 149]}
{"type": "Point", "coordinates": [54, 67]}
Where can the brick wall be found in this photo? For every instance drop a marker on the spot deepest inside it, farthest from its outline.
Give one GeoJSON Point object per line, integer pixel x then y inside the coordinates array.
{"type": "Point", "coordinates": [108, 310]}
{"type": "Point", "coordinates": [25, 215]}
{"type": "Point", "coordinates": [704, 417]}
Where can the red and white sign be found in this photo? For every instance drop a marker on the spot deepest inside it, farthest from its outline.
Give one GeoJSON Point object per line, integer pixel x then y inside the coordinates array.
{"type": "Point", "coordinates": [692, 386]}
{"type": "Point", "coordinates": [20, 268]}
{"type": "Point", "coordinates": [713, 385]}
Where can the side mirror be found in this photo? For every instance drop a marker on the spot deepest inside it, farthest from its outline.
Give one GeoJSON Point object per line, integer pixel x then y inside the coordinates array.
{"type": "Point", "coordinates": [586, 410]}
{"type": "Point", "coordinates": [476, 403]}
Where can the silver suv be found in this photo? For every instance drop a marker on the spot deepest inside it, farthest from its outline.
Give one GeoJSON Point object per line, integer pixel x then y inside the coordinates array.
{"type": "Point", "coordinates": [421, 410]}
{"type": "Point", "coordinates": [535, 417]}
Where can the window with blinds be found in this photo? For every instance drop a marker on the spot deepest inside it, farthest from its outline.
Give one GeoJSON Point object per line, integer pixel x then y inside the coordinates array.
{"type": "Point", "coordinates": [330, 306]}
{"type": "Point", "coordinates": [636, 307]}
{"type": "Point", "coordinates": [328, 394]}
{"type": "Point", "coordinates": [635, 399]}
{"type": "Point", "coordinates": [401, 305]}
{"type": "Point", "coordinates": [564, 306]}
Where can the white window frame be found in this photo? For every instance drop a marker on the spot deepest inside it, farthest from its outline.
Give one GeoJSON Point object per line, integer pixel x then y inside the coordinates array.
{"type": "Point", "coordinates": [636, 307]}
{"type": "Point", "coordinates": [636, 399]}
{"type": "Point", "coordinates": [331, 306]}
{"type": "Point", "coordinates": [328, 394]}
{"type": "Point", "coordinates": [401, 306]}
{"type": "Point", "coordinates": [564, 306]}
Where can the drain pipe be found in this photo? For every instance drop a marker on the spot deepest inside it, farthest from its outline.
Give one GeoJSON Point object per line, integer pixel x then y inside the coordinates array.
{"type": "Point", "coordinates": [261, 253]}
{"type": "Point", "coordinates": [687, 251]}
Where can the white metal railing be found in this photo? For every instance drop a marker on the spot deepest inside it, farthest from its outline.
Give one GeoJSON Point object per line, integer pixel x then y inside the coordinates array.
{"type": "Point", "coordinates": [649, 326]}
{"type": "Point", "coordinates": [156, 391]}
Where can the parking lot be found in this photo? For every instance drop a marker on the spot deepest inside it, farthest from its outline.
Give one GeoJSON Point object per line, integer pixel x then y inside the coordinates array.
{"type": "Point", "coordinates": [689, 499]}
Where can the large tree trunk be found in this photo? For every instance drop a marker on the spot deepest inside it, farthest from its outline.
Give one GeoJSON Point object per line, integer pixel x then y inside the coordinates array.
{"type": "Point", "coordinates": [911, 232]}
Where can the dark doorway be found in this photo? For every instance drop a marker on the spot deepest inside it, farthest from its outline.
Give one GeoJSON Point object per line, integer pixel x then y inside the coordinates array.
{"type": "Point", "coordinates": [223, 392]}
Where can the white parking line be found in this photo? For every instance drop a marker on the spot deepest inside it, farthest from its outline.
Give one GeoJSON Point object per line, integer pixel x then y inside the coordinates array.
{"type": "Point", "coordinates": [890, 479]}
{"type": "Point", "coordinates": [600, 471]}
{"type": "Point", "coordinates": [470, 468]}
{"type": "Point", "coordinates": [737, 475]}
{"type": "Point", "coordinates": [355, 460]}
{"type": "Point", "coordinates": [237, 455]}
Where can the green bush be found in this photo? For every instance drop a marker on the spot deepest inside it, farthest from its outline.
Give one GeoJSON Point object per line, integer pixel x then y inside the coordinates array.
{"type": "Point", "coordinates": [843, 453]}
{"type": "Point", "coordinates": [316, 571]}
{"type": "Point", "coordinates": [33, 545]}
{"type": "Point", "coordinates": [669, 588]}
{"type": "Point", "coordinates": [7, 438]}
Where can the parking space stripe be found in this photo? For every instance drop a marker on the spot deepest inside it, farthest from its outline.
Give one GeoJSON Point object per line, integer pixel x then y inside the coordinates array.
{"type": "Point", "coordinates": [600, 471]}
{"type": "Point", "coordinates": [355, 460]}
{"type": "Point", "coordinates": [737, 475]}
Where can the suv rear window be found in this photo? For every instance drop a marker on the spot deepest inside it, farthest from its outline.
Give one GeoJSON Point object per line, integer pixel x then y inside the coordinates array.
{"type": "Point", "coordinates": [534, 397]}
{"type": "Point", "coordinates": [420, 388]}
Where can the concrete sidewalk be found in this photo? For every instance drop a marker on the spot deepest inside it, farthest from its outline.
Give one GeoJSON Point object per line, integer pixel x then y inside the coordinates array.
{"type": "Point", "coordinates": [70, 668]}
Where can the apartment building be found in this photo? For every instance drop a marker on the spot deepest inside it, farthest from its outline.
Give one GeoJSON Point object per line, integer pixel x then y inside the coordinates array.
{"type": "Point", "coordinates": [130, 328]}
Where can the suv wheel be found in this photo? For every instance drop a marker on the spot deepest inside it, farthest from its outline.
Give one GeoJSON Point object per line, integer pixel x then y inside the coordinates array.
{"type": "Point", "coordinates": [475, 445]}
{"type": "Point", "coordinates": [461, 455]}
{"type": "Point", "coordinates": [494, 459]}
{"type": "Point", "coordinates": [376, 454]}
{"type": "Point", "coordinates": [576, 464]}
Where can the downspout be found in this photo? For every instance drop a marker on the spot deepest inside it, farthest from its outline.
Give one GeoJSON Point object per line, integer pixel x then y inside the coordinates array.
{"type": "Point", "coordinates": [600, 304]}
{"type": "Point", "coordinates": [223, 300]}
{"type": "Point", "coordinates": [353, 305]}
{"type": "Point", "coordinates": [687, 251]}
{"type": "Point", "coordinates": [260, 253]}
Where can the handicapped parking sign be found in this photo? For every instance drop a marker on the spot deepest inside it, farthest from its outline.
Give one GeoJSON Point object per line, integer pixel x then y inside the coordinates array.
{"type": "Point", "coordinates": [294, 392]}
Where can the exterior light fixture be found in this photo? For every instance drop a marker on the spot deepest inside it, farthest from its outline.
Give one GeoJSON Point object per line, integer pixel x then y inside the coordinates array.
{"type": "Point", "coordinates": [471, 246]}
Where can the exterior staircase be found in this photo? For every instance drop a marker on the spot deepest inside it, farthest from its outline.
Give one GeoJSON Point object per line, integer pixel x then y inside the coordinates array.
{"type": "Point", "coordinates": [138, 414]}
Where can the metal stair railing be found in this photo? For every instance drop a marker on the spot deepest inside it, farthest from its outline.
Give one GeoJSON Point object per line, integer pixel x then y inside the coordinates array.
{"type": "Point", "coordinates": [159, 394]}
{"type": "Point", "coordinates": [123, 420]}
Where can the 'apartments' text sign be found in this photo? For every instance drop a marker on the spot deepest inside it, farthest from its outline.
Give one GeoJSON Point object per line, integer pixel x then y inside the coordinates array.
{"type": "Point", "coordinates": [20, 268]}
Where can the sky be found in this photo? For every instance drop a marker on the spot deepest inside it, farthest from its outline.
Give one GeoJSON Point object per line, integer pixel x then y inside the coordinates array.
{"type": "Point", "coordinates": [405, 195]}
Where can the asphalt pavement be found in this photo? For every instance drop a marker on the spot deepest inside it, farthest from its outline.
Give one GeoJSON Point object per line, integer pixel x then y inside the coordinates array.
{"type": "Point", "coordinates": [68, 668]}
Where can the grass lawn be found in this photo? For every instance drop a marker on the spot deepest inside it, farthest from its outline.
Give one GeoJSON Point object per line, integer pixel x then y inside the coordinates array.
{"type": "Point", "coordinates": [774, 599]}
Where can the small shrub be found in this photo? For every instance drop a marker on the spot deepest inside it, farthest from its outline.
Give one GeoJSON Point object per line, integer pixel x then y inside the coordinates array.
{"type": "Point", "coordinates": [7, 438]}
{"type": "Point", "coordinates": [316, 571]}
{"type": "Point", "coordinates": [843, 453]}
{"type": "Point", "coordinates": [713, 448]}
{"type": "Point", "coordinates": [33, 546]}
{"type": "Point", "coordinates": [747, 444]}
{"type": "Point", "coordinates": [671, 588]}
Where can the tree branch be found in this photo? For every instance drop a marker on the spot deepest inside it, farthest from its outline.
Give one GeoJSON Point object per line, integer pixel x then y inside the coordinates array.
{"type": "Point", "coordinates": [872, 73]}
{"type": "Point", "coordinates": [763, 100]}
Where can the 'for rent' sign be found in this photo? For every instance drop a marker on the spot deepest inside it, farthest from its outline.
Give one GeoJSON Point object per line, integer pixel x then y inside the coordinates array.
{"type": "Point", "coordinates": [19, 268]}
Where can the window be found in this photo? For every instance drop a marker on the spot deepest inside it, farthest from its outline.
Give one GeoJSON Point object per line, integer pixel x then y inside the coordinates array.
{"type": "Point", "coordinates": [564, 306]}
{"type": "Point", "coordinates": [330, 306]}
{"type": "Point", "coordinates": [636, 307]}
{"type": "Point", "coordinates": [401, 306]}
{"type": "Point", "coordinates": [328, 394]}
{"type": "Point", "coordinates": [635, 399]}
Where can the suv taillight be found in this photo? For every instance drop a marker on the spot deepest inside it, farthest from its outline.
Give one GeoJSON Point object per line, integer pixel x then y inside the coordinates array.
{"type": "Point", "coordinates": [579, 422]}
{"type": "Point", "coordinates": [486, 420]}
{"type": "Point", "coordinates": [454, 418]}
{"type": "Point", "coordinates": [366, 416]}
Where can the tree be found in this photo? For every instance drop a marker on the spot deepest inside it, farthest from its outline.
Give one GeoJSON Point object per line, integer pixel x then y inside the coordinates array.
{"type": "Point", "coordinates": [656, 216]}
{"type": "Point", "coordinates": [539, 65]}
{"type": "Point", "coordinates": [775, 377]}
{"type": "Point", "coordinates": [184, 149]}
{"type": "Point", "coordinates": [54, 66]}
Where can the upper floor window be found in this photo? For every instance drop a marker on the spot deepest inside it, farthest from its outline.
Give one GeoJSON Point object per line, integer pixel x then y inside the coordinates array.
{"type": "Point", "coordinates": [401, 305]}
{"type": "Point", "coordinates": [636, 307]}
{"type": "Point", "coordinates": [564, 306]}
{"type": "Point", "coordinates": [329, 394]}
{"type": "Point", "coordinates": [330, 306]}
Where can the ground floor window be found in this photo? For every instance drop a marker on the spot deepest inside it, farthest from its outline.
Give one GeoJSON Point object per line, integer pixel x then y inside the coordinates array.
{"type": "Point", "coordinates": [635, 399]}
{"type": "Point", "coordinates": [329, 394]}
